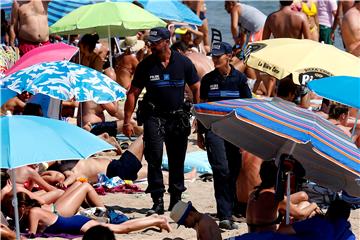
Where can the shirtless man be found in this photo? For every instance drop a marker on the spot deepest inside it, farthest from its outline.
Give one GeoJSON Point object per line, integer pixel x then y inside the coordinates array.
{"type": "Point", "coordinates": [205, 227]}
{"type": "Point", "coordinates": [93, 114]}
{"type": "Point", "coordinates": [29, 23]}
{"type": "Point", "coordinates": [199, 8]}
{"type": "Point", "coordinates": [350, 29]}
{"type": "Point", "coordinates": [284, 23]}
{"type": "Point", "coordinates": [16, 104]}
{"type": "Point", "coordinates": [126, 63]}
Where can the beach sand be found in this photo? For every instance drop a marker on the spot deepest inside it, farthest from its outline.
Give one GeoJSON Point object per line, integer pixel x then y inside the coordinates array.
{"type": "Point", "coordinates": [200, 193]}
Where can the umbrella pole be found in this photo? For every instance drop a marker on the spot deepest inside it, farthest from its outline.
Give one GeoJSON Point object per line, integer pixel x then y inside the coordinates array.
{"type": "Point", "coordinates": [15, 204]}
{"type": "Point", "coordinates": [110, 48]}
{"type": "Point", "coordinates": [356, 120]}
{"type": "Point", "coordinates": [288, 198]}
{"type": "Point", "coordinates": [288, 188]}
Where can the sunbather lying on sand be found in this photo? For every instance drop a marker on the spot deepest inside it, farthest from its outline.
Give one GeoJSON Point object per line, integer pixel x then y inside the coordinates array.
{"type": "Point", "coordinates": [36, 219]}
{"type": "Point", "coordinates": [128, 167]}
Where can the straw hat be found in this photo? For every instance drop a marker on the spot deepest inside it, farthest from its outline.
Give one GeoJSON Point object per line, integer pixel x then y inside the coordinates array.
{"type": "Point", "coordinates": [133, 43]}
{"type": "Point", "coordinates": [180, 212]}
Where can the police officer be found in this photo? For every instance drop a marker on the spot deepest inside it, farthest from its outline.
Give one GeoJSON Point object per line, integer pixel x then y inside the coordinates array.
{"type": "Point", "coordinates": [164, 75]}
{"type": "Point", "coordinates": [224, 82]}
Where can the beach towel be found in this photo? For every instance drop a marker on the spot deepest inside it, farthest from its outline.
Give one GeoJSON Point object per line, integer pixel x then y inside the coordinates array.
{"type": "Point", "coordinates": [51, 235]}
{"type": "Point", "coordinates": [197, 160]}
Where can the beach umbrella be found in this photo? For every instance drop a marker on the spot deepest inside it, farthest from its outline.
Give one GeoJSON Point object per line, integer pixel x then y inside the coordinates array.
{"type": "Point", "coordinates": [30, 140]}
{"type": "Point", "coordinates": [46, 53]}
{"type": "Point", "coordinates": [304, 59]}
{"type": "Point", "coordinates": [171, 10]}
{"type": "Point", "coordinates": [268, 128]}
{"type": "Point", "coordinates": [65, 81]}
{"type": "Point", "coordinates": [342, 89]}
{"type": "Point", "coordinates": [107, 19]}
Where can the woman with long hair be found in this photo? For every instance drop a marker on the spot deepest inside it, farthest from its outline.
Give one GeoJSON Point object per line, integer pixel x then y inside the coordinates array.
{"type": "Point", "coordinates": [36, 219]}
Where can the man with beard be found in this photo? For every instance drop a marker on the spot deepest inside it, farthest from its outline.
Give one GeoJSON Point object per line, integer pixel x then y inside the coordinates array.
{"type": "Point", "coordinates": [166, 119]}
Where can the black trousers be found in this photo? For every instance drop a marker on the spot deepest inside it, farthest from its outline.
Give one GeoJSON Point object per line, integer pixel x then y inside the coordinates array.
{"type": "Point", "coordinates": [157, 130]}
{"type": "Point", "coordinates": [225, 161]}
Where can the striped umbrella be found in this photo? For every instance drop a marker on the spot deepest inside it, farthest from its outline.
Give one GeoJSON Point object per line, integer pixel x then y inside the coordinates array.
{"type": "Point", "coordinates": [268, 128]}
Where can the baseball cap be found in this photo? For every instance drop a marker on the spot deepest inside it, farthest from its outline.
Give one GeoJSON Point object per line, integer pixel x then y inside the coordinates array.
{"type": "Point", "coordinates": [158, 33]}
{"type": "Point", "coordinates": [180, 212]}
{"type": "Point", "coordinates": [220, 48]}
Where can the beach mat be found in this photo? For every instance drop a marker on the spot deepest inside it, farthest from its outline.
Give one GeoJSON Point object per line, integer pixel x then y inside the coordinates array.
{"type": "Point", "coordinates": [197, 160]}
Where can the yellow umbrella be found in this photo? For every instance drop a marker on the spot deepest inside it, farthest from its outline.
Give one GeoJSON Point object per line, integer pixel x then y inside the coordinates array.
{"type": "Point", "coordinates": [304, 59]}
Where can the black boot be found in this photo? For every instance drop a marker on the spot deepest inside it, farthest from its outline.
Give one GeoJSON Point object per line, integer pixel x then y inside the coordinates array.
{"type": "Point", "coordinates": [174, 198]}
{"type": "Point", "coordinates": [157, 208]}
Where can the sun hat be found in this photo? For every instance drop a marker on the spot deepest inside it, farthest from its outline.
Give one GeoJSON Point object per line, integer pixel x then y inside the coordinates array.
{"type": "Point", "coordinates": [159, 33]}
{"type": "Point", "coordinates": [220, 48]}
{"type": "Point", "coordinates": [180, 212]}
{"type": "Point", "coordinates": [133, 43]}
{"type": "Point", "coordinates": [181, 30]}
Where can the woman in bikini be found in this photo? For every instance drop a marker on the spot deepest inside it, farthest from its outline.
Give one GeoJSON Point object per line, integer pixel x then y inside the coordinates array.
{"type": "Point", "coordinates": [66, 205]}
{"type": "Point", "coordinates": [88, 57]}
{"type": "Point", "coordinates": [37, 219]}
{"type": "Point", "coordinates": [309, 7]}
{"type": "Point", "coordinates": [263, 209]}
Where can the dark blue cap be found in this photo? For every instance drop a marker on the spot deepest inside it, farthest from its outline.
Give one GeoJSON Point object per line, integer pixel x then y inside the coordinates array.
{"type": "Point", "coordinates": [158, 33]}
{"type": "Point", "coordinates": [220, 48]}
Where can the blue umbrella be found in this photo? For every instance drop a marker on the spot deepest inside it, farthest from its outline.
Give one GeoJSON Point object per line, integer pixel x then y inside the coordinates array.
{"type": "Point", "coordinates": [65, 80]}
{"type": "Point", "coordinates": [269, 128]}
{"type": "Point", "coordinates": [172, 10]}
{"type": "Point", "coordinates": [29, 140]}
{"type": "Point", "coordinates": [342, 89]}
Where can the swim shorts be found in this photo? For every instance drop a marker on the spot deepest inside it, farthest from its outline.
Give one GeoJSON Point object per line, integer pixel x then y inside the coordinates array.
{"type": "Point", "coordinates": [126, 167]}
{"type": "Point", "coordinates": [26, 46]}
{"type": "Point", "coordinates": [102, 127]}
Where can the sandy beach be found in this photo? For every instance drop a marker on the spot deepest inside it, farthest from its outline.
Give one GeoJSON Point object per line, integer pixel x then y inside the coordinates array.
{"type": "Point", "coordinates": [200, 193]}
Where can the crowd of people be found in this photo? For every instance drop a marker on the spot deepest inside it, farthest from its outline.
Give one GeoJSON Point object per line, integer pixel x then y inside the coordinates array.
{"type": "Point", "coordinates": [165, 70]}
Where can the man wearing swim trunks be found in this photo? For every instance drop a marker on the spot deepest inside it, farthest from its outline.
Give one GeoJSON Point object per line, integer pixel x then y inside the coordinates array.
{"type": "Point", "coordinates": [126, 167]}
{"type": "Point", "coordinates": [29, 23]}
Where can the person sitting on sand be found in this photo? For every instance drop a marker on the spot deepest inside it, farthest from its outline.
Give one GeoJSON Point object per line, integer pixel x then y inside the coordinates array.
{"type": "Point", "coordinates": [16, 104]}
{"type": "Point", "coordinates": [37, 220]}
{"type": "Point", "coordinates": [205, 227]}
{"type": "Point", "coordinates": [333, 225]}
{"type": "Point", "coordinates": [92, 116]}
{"type": "Point", "coordinates": [263, 209]}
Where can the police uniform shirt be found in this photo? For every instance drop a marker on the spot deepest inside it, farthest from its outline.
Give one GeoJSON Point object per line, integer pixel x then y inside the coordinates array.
{"type": "Point", "coordinates": [216, 87]}
{"type": "Point", "coordinates": [165, 86]}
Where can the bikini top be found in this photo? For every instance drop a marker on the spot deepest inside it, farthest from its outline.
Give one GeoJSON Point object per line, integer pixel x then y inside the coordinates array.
{"type": "Point", "coordinates": [309, 12]}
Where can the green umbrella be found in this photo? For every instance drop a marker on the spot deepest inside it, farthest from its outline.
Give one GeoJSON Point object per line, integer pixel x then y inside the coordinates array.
{"type": "Point", "coordinates": [107, 19]}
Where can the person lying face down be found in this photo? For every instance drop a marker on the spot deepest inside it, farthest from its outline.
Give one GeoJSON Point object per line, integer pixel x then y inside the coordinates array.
{"type": "Point", "coordinates": [205, 227]}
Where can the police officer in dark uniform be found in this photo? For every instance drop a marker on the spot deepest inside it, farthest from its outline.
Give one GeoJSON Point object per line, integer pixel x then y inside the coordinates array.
{"type": "Point", "coordinates": [164, 74]}
{"type": "Point", "coordinates": [223, 83]}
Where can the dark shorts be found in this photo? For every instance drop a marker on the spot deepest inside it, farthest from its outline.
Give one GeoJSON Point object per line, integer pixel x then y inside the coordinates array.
{"type": "Point", "coordinates": [126, 167]}
{"type": "Point", "coordinates": [104, 127]}
{"type": "Point", "coordinates": [202, 15]}
{"type": "Point", "coordinates": [325, 34]}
